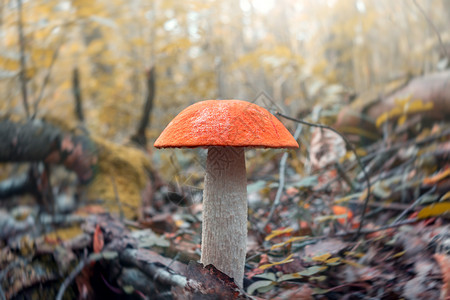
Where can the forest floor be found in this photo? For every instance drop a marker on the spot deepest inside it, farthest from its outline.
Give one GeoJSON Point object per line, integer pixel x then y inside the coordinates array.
{"type": "Point", "coordinates": [306, 240]}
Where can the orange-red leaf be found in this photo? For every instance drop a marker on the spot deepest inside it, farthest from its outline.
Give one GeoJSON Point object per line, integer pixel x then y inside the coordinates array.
{"type": "Point", "coordinates": [437, 177]}
{"type": "Point", "coordinates": [342, 210]}
{"type": "Point", "coordinates": [99, 241]}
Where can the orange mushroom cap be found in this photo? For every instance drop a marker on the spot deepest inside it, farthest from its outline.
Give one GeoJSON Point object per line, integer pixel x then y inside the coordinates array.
{"type": "Point", "coordinates": [233, 123]}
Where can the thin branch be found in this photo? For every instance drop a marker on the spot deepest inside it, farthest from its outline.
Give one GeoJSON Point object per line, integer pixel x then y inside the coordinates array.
{"type": "Point", "coordinates": [71, 277]}
{"type": "Point", "coordinates": [430, 23]}
{"type": "Point", "coordinates": [414, 204]}
{"type": "Point", "coordinates": [83, 263]}
{"type": "Point", "coordinates": [281, 184]}
{"type": "Point", "coordinates": [362, 231]}
{"type": "Point", "coordinates": [155, 272]}
{"type": "Point", "coordinates": [366, 201]}
{"type": "Point", "coordinates": [22, 73]}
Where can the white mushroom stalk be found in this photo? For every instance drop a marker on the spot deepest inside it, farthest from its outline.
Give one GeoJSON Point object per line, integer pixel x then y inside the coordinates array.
{"type": "Point", "coordinates": [224, 228]}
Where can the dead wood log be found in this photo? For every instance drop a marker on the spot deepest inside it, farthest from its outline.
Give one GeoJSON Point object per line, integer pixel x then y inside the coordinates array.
{"type": "Point", "coordinates": [38, 141]}
{"type": "Point", "coordinates": [433, 90]}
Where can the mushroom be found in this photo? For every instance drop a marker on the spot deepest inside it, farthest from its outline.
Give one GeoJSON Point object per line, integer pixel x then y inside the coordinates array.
{"type": "Point", "coordinates": [225, 128]}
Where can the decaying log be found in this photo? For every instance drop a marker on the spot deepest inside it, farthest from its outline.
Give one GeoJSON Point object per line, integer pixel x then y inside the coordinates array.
{"type": "Point", "coordinates": [38, 141]}
{"type": "Point", "coordinates": [432, 89]}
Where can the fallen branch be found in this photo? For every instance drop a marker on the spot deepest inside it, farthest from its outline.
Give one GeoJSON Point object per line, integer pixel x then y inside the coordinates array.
{"type": "Point", "coordinates": [161, 274]}
{"type": "Point", "coordinates": [83, 263]}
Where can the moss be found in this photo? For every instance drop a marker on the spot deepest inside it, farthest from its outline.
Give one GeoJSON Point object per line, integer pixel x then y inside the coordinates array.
{"type": "Point", "coordinates": [122, 175]}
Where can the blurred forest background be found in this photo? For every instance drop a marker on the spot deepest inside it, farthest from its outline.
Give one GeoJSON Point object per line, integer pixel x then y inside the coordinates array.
{"type": "Point", "coordinates": [301, 53]}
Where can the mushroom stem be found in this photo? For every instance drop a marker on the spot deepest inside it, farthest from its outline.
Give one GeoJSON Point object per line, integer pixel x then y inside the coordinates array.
{"type": "Point", "coordinates": [224, 229]}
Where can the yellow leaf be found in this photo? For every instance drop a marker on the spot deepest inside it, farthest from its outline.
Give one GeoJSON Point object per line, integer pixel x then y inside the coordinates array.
{"type": "Point", "coordinates": [347, 198]}
{"type": "Point", "coordinates": [291, 240]}
{"type": "Point", "coordinates": [434, 210]}
{"type": "Point", "coordinates": [322, 258]}
{"type": "Point", "coordinates": [284, 261]}
{"type": "Point", "coordinates": [333, 260]}
{"type": "Point", "coordinates": [445, 197]}
{"type": "Point", "coordinates": [398, 254]}
{"type": "Point", "coordinates": [9, 63]}
{"type": "Point", "coordinates": [401, 120]}
{"type": "Point", "coordinates": [278, 232]}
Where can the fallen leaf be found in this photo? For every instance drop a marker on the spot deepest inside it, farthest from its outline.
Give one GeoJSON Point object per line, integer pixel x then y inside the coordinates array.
{"type": "Point", "coordinates": [437, 177]}
{"type": "Point", "coordinates": [261, 286]}
{"type": "Point", "coordinates": [284, 261]}
{"type": "Point", "coordinates": [98, 241]}
{"type": "Point", "coordinates": [342, 210]}
{"type": "Point", "coordinates": [434, 210]}
{"type": "Point", "coordinates": [278, 232]}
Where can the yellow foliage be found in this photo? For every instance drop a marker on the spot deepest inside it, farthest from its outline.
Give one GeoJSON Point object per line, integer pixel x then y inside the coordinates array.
{"type": "Point", "coordinates": [9, 63]}
{"type": "Point", "coordinates": [269, 57]}
{"type": "Point", "coordinates": [180, 44]}
{"type": "Point", "coordinates": [96, 47]}
{"type": "Point", "coordinates": [41, 57]}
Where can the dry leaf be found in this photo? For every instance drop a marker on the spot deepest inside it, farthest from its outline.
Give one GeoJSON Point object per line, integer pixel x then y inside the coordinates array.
{"type": "Point", "coordinates": [99, 241]}
{"type": "Point", "coordinates": [327, 147]}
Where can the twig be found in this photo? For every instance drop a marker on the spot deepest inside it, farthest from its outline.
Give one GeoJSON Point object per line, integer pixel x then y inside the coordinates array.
{"type": "Point", "coordinates": [414, 204]}
{"type": "Point", "coordinates": [281, 184]}
{"type": "Point", "coordinates": [363, 213]}
{"type": "Point", "coordinates": [77, 270]}
{"type": "Point", "coordinates": [406, 144]}
{"type": "Point", "coordinates": [433, 27]}
{"type": "Point", "coordinates": [22, 74]}
{"type": "Point", "coordinates": [72, 276]}
{"type": "Point", "coordinates": [116, 197]}
{"type": "Point", "coordinates": [363, 231]}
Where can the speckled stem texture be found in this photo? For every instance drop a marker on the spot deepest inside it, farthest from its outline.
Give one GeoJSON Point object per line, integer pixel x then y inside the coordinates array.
{"type": "Point", "coordinates": [224, 229]}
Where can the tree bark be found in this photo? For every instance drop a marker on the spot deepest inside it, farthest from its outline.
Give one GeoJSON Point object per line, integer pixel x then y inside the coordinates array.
{"type": "Point", "coordinates": [140, 137]}
{"type": "Point", "coordinates": [77, 94]}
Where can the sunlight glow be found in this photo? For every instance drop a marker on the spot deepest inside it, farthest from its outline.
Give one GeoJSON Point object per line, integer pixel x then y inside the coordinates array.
{"type": "Point", "coordinates": [263, 6]}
